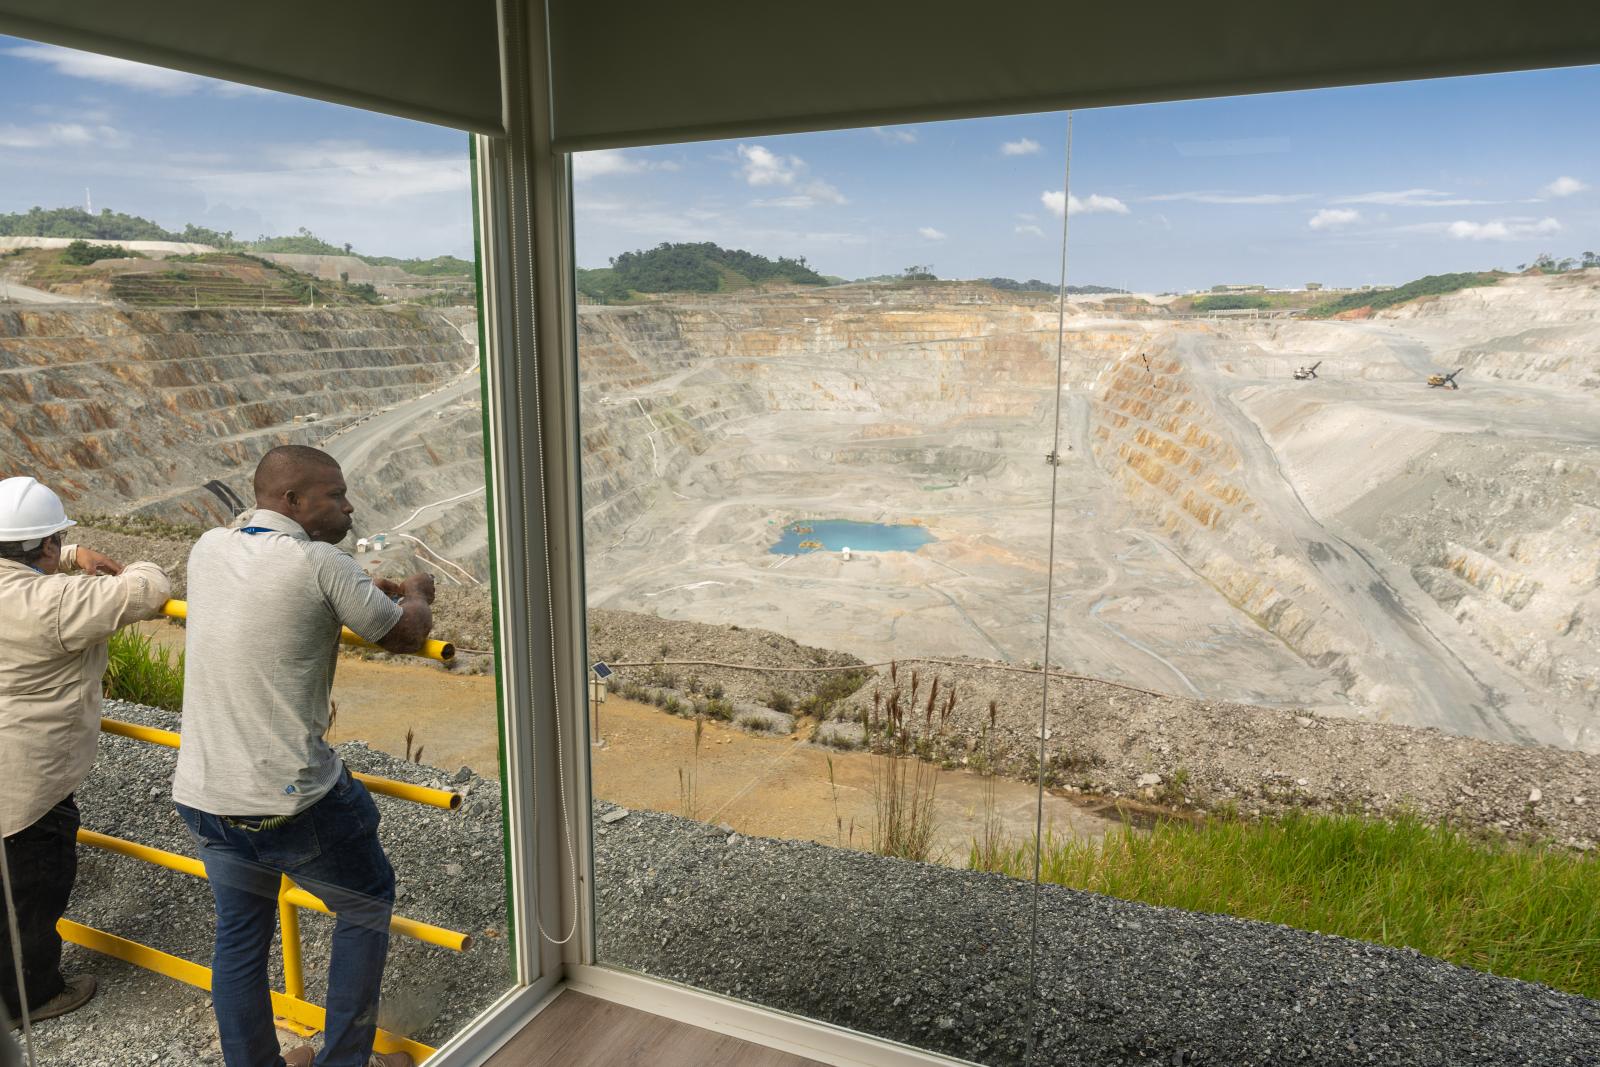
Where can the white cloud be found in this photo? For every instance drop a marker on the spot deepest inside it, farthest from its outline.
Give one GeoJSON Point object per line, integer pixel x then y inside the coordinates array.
{"type": "Point", "coordinates": [1331, 218]}
{"type": "Point", "coordinates": [821, 190]}
{"type": "Point", "coordinates": [798, 201]}
{"type": "Point", "coordinates": [1030, 231]}
{"type": "Point", "coordinates": [59, 135]}
{"type": "Point", "coordinates": [609, 161]}
{"type": "Point", "coordinates": [1411, 198]}
{"type": "Point", "coordinates": [1027, 146]}
{"type": "Point", "coordinates": [762, 167]}
{"type": "Point", "coordinates": [122, 72]}
{"type": "Point", "coordinates": [1502, 229]}
{"type": "Point", "coordinates": [1091, 205]}
{"type": "Point", "coordinates": [895, 134]}
{"type": "Point", "coordinates": [1234, 198]}
{"type": "Point", "coordinates": [346, 173]}
{"type": "Point", "coordinates": [1565, 186]}
{"type": "Point", "coordinates": [930, 234]}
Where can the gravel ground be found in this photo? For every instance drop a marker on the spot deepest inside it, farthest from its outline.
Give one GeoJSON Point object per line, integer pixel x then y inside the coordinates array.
{"type": "Point", "coordinates": [1116, 741]}
{"type": "Point", "coordinates": [1104, 739]}
{"type": "Point", "coordinates": [928, 955]}
{"type": "Point", "coordinates": [450, 873]}
{"type": "Point", "coordinates": [629, 637]}
{"type": "Point", "coordinates": [938, 958]}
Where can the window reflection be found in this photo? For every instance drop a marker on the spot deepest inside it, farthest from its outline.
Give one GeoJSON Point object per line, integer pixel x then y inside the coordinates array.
{"type": "Point", "coordinates": [151, 355]}
{"type": "Point", "coordinates": [1317, 643]}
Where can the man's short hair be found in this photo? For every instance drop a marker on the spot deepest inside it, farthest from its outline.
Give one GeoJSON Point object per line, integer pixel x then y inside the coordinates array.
{"type": "Point", "coordinates": [27, 552]}
{"type": "Point", "coordinates": [281, 464]}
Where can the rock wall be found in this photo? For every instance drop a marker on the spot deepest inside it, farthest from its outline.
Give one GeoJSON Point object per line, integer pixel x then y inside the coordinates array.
{"type": "Point", "coordinates": [1526, 329]}
{"type": "Point", "coordinates": [1506, 539]}
{"type": "Point", "coordinates": [662, 382]}
{"type": "Point", "coordinates": [125, 410]}
{"type": "Point", "coordinates": [1173, 436]}
{"type": "Point", "coordinates": [1163, 441]}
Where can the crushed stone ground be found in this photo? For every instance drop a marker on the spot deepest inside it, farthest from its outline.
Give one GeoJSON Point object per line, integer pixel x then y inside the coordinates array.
{"type": "Point", "coordinates": [918, 953]}
{"type": "Point", "coordinates": [940, 959]}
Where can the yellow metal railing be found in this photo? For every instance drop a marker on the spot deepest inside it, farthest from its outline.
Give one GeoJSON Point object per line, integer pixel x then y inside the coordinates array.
{"type": "Point", "coordinates": [443, 651]}
{"type": "Point", "coordinates": [290, 895]}
{"type": "Point", "coordinates": [417, 794]}
{"type": "Point", "coordinates": [293, 1010]}
{"type": "Point", "coordinates": [303, 1017]}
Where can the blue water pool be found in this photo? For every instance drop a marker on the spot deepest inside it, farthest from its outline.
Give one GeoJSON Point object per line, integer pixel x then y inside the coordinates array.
{"type": "Point", "coordinates": [835, 534]}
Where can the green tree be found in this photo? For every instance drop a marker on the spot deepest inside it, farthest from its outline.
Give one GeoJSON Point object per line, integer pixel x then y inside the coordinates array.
{"type": "Point", "coordinates": [82, 253]}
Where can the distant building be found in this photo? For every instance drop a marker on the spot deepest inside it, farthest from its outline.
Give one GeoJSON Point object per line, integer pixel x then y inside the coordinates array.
{"type": "Point", "coordinates": [1238, 288]}
{"type": "Point", "coordinates": [1312, 287]}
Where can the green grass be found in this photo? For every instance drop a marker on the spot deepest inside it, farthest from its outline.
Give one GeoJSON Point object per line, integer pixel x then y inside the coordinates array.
{"type": "Point", "coordinates": [1513, 910]}
{"type": "Point", "coordinates": [1432, 285]}
{"type": "Point", "coordinates": [1231, 302]}
{"type": "Point", "coordinates": [143, 672]}
{"type": "Point", "coordinates": [1264, 301]}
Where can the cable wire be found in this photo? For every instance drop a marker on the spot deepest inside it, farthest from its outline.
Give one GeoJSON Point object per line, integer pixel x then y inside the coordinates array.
{"type": "Point", "coordinates": [523, 155]}
{"type": "Point", "coordinates": [1049, 601]}
{"type": "Point", "coordinates": [16, 955]}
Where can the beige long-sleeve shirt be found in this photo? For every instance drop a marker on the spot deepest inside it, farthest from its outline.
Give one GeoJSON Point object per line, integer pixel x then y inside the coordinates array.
{"type": "Point", "coordinates": [53, 634]}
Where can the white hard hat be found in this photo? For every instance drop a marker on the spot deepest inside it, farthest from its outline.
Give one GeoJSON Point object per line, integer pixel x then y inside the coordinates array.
{"type": "Point", "coordinates": [29, 511]}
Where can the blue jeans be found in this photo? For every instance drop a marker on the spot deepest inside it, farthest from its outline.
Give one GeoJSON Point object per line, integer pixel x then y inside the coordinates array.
{"type": "Point", "coordinates": [331, 850]}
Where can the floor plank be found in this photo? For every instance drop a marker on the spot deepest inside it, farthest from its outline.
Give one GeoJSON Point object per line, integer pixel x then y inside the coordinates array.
{"type": "Point", "coordinates": [577, 1030]}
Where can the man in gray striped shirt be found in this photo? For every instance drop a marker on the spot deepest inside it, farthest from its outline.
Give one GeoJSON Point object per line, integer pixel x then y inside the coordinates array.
{"type": "Point", "coordinates": [260, 789]}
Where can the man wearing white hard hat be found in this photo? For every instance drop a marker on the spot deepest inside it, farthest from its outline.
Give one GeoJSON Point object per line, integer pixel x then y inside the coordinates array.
{"type": "Point", "coordinates": [59, 605]}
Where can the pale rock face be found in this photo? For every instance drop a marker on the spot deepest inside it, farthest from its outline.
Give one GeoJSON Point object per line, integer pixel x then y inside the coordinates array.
{"type": "Point", "coordinates": [135, 410]}
{"type": "Point", "coordinates": [1357, 545]}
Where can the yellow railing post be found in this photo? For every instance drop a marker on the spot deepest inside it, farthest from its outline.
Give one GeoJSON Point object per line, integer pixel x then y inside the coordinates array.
{"type": "Point", "coordinates": [305, 1019]}
{"type": "Point", "coordinates": [293, 1012]}
{"type": "Point", "coordinates": [294, 979]}
{"type": "Point", "coordinates": [443, 651]}
{"type": "Point", "coordinates": [417, 794]}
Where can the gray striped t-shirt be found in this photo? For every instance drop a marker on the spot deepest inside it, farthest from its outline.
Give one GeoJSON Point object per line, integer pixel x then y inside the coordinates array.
{"type": "Point", "coordinates": [263, 638]}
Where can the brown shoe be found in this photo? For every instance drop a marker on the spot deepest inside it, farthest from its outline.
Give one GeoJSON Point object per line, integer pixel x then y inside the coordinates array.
{"type": "Point", "coordinates": [391, 1059]}
{"type": "Point", "coordinates": [299, 1057]}
{"type": "Point", "coordinates": [79, 991]}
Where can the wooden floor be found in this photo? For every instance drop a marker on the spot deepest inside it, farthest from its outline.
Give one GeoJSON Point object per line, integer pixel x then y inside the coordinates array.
{"type": "Point", "coordinates": [576, 1030]}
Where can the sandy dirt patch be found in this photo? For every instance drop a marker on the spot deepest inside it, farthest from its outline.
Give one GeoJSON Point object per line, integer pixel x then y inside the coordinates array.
{"type": "Point", "coordinates": [781, 787]}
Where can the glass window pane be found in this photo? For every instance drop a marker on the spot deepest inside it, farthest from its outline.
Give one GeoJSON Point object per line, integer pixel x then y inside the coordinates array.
{"type": "Point", "coordinates": [210, 273]}
{"type": "Point", "coordinates": [1322, 503]}
{"type": "Point", "coordinates": [1287, 579]}
{"type": "Point", "coordinates": [791, 489]}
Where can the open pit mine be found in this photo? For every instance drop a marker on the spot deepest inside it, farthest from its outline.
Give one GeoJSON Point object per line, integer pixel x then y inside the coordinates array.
{"type": "Point", "coordinates": [1354, 543]}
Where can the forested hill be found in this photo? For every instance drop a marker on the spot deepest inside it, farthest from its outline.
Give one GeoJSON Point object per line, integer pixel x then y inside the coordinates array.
{"type": "Point", "coordinates": [76, 223]}
{"type": "Point", "coordinates": [691, 268]}
{"type": "Point", "coordinates": [109, 225]}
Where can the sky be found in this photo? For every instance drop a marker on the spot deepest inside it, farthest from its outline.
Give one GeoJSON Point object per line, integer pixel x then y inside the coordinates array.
{"type": "Point", "coordinates": [1364, 185]}
{"type": "Point", "coordinates": [178, 148]}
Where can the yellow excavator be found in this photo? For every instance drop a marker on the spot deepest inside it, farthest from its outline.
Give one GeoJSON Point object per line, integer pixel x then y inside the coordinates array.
{"type": "Point", "coordinates": [1305, 374]}
{"type": "Point", "coordinates": [1445, 381]}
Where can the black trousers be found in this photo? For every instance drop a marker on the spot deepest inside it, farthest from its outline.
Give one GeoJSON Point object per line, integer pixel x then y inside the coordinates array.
{"type": "Point", "coordinates": [44, 863]}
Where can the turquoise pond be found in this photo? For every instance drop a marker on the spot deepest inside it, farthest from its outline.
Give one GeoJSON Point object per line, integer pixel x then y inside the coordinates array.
{"type": "Point", "coordinates": [836, 534]}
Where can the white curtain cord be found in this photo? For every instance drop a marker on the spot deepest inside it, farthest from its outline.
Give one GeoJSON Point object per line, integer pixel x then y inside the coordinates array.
{"type": "Point", "coordinates": [523, 155]}
{"type": "Point", "coordinates": [1049, 600]}
{"type": "Point", "coordinates": [16, 954]}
